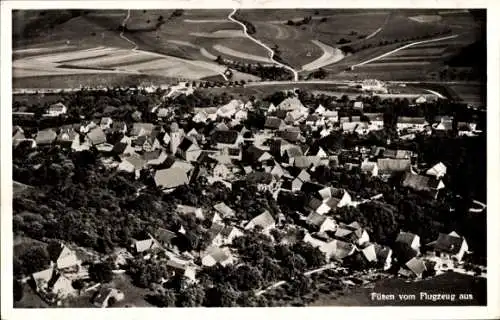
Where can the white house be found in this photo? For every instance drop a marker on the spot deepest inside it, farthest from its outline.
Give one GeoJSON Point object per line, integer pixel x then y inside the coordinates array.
{"type": "Point", "coordinates": [56, 110]}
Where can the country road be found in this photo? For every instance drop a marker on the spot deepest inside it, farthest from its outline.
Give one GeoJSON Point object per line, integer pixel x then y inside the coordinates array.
{"type": "Point", "coordinates": [402, 48]}
{"type": "Point", "coordinates": [124, 24]}
{"type": "Point", "coordinates": [271, 51]}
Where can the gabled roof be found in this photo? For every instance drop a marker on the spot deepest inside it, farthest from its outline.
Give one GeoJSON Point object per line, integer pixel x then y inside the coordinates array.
{"type": "Point", "coordinates": [96, 136]}
{"type": "Point", "coordinates": [264, 220]}
{"type": "Point", "coordinates": [447, 243]}
{"type": "Point", "coordinates": [225, 136]}
{"type": "Point", "coordinates": [137, 126]}
{"type": "Point", "coordinates": [46, 136]}
{"type": "Point", "coordinates": [406, 238]}
{"type": "Point", "coordinates": [412, 120]}
{"type": "Point", "coordinates": [417, 266]}
{"type": "Point", "coordinates": [393, 165]}
{"type": "Point", "coordinates": [369, 252]}
{"type": "Point", "coordinates": [304, 176]}
{"type": "Point", "coordinates": [165, 236]}
{"type": "Point", "coordinates": [382, 252]}
{"type": "Point", "coordinates": [186, 143]}
{"type": "Point", "coordinates": [316, 219]}
{"type": "Point", "coordinates": [397, 154]}
{"type": "Point", "coordinates": [290, 135]}
{"type": "Point", "coordinates": [224, 210]}
{"type": "Point", "coordinates": [259, 177]}
{"type": "Point", "coordinates": [439, 169]}
{"type": "Point", "coordinates": [171, 178]}
{"type": "Point", "coordinates": [136, 160]}
{"type": "Point", "coordinates": [59, 106]}
{"type": "Point", "coordinates": [419, 182]}
{"type": "Point", "coordinates": [273, 123]}
{"type": "Point", "coordinates": [291, 103]}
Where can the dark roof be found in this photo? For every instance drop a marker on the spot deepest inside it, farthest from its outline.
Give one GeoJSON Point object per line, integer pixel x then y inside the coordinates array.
{"type": "Point", "coordinates": [273, 123]}
{"type": "Point", "coordinates": [311, 187]}
{"type": "Point", "coordinates": [225, 136]}
{"type": "Point", "coordinates": [151, 155]}
{"type": "Point", "coordinates": [185, 144]}
{"type": "Point", "coordinates": [165, 236]}
{"type": "Point", "coordinates": [290, 135]}
{"type": "Point", "coordinates": [259, 177]}
{"type": "Point", "coordinates": [119, 147]}
{"type": "Point", "coordinates": [447, 243]}
{"type": "Point", "coordinates": [419, 182]}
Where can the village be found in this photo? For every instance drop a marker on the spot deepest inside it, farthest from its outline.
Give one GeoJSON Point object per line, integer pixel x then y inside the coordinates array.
{"type": "Point", "coordinates": [280, 158]}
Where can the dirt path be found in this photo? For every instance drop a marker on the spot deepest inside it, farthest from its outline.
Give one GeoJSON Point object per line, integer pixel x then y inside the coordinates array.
{"type": "Point", "coordinates": [330, 55]}
{"type": "Point", "coordinates": [402, 48]}
{"type": "Point", "coordinates": [124, 24]}
{"type": "Point", "coordinates": [271, 51]}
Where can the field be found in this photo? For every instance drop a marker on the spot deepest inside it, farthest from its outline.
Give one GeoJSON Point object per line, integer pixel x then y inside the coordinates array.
{"type": "Point", "coordinates": [159, 43]}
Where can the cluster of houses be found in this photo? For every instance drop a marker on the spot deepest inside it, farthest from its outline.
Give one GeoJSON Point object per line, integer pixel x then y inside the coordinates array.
{"type": "Point", "coordinates": [213, 142]}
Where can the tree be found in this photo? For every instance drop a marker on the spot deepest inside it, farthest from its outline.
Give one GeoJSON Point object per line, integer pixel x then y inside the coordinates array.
{"type": "Point", "coordinates": [18, 290]}
{"type": "Point", "coordinates": [35, 259]}
{"type": "Point", "coordinates": [101, 272]}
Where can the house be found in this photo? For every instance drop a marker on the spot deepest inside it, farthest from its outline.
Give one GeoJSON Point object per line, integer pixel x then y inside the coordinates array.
{"type": "Point", "coordinates": [162, 113]}
{"type": "Point", "coordinates": [186, 270]}
{"type": "Point", "coordinates": [241, 115]}
{"type": "Point", "coordinates": [140, 246]}
{"type": "Point", "coordinates": [451, 246]}
{"type": "Point", "coordinates": [228, 110]}
{"type": "Point", "coordinates": [165, 238]}
{"type": "Point", "coordinates": [133, 163]}
{"type": "Point", "coordinates": [358, 105]}
{"type": "Point", "coordinates": [423, 183]}
{"type": "Point", "coordinates": [291, 104]}
{"type": "Point", "coordinates": [317, 151]}
{"type": "Point", "coordinates": [45, 137]}
{"type": "Point", "coordinates": [321, 222]}
{"type": "Point", "coordinates": [331, 116]}
{"type": "Point", "coordinates": [274, 123]}
{"type": "Point", "coordinates": [65, 258]}
{"type": "Point", "coordinates": [217, 255]}
{"type": "Point", "coordinates": [352, 233]}
{"type": "Point", "coordinates": [68, 138]}
{"type": "Point", "coordinates": [155, 158]}
{"type": "Point", "coordinates": [290, 152]}
{"type": "Point", "coordinates": [87, 125]}
{"type": "Point", "coordinates": [306, 162]}
{"type": "Point", "coordinates": [56, 110]}
{"type": "Point", "coordinates": [119, 126]}
{"type": "Point", "coordinates": [376, 120]}
{"type": "Point", "coordinates": [338, 249]}
{"type": "Point", "coordinates": [123, 148]}
{"type": "Point", "coordinates": [438, 171]}
{"type": "Point", "coordinates": [384, 256]}
{"type": "Point", "coordinates": [145, 143]}
{"type": "Point", "coordinates": [368, 252]}
{"type": "Point", "coordinates": [222, 171]}
{"type": "Point", "coordinates": [170, 178]}
{"type": "Point", "coordinates": [413, 268]}
{"type": "Point", "coordinates": [390, 166]}
{"type": "Point", "coordinates": [397, 154]}
{"type": "Point", "coordinates": [188, 149]}
{"type": "Point", "coordinates": [409, 239]}
{"type": "Point", "coordinates": [141, 129]}
{"type": "Point", "coordinates": [291, 134]}
{"type": "Point", "coordinates": [443, 123]}
{"type": "Point", "coordinates": [256, 155]}
{"type": "Point", "coordinates": [223, 210]}
{"type": "Point", "coordinates": [53, 285]}
{"type": "Point", "coordinates": [320, 110]}
{"type": "Point", "coordinates": [466, 128]}
{"type": "Point", "coordinates": [96, 136]}
{"type": "Point", "coordinates": [263, 180]}
{"type": "Point", "coordinates": [189, 210]}
{"type": "Point", "coordinates": [411, 123]}
{"type": "Point", "coordinates": [222, 235]}
{"type": "Point", "coordinates": [224, 139]}
{"type": "Point", "coordinates": [370, 168]}
{"type": "Point", "coordinates": [294, 116]}
{"type": "Point", "coordinates": [265, 221]}
{"type": "Point", "coordinates": [420, 100]}
{"type": "Point", "coordinates": [106, 297]}
{"type": "Point", "coordinates": [106, 123]}
{"type": "Point", "coordinates": [200, 117]}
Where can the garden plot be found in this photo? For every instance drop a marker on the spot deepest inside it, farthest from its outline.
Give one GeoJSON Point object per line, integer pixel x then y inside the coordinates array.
{"type": "Point", "coordinates": [239, 54]}
{"type": "Point", "coordinates": [74, 55]}
{"type": "Point", "coordinates": [219, 34]}
{"type": "Point", "coordinates": [330, 55]}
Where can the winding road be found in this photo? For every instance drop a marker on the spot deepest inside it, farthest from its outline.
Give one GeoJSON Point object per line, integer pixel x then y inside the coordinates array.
{"type": "Point", "coordinates": [271, 51]}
